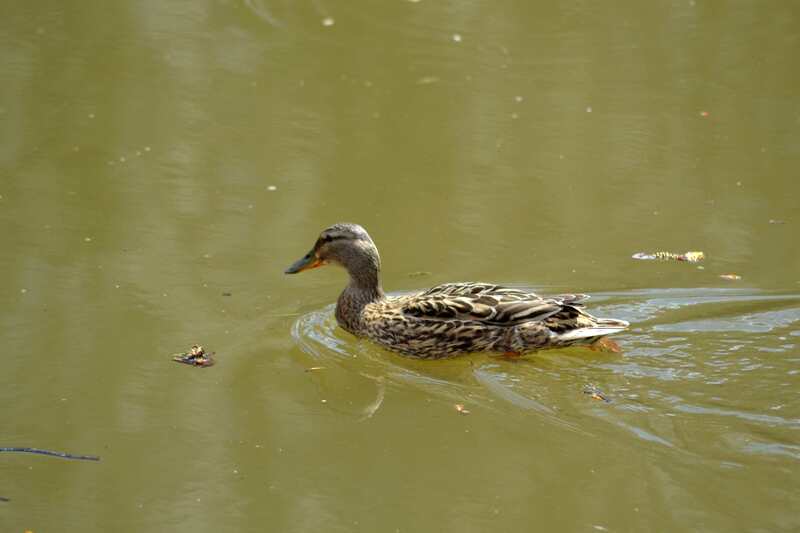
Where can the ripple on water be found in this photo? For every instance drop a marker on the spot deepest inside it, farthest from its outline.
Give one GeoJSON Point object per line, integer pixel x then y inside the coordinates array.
{"type": "Point", "coordinates": [751, 323]}
{"type": "Point", "coordinates": [728, 371]}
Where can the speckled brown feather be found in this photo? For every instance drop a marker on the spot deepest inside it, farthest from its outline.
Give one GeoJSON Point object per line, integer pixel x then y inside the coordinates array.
{"type": "Point", "coordinates": [456, 318]}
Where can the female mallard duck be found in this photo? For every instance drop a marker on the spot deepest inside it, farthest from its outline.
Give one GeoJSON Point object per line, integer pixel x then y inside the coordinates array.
{"type": "Point", "coordinates": [452, 318]}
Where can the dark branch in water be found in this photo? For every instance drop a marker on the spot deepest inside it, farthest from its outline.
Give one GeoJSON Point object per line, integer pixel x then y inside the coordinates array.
{"type": "Point", "coordinates": [4, 499]}
{"type": "Point", "coordinates": [63, 455]}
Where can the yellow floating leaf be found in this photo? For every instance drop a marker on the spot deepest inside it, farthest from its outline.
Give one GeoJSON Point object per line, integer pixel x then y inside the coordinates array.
{"type": "Point", "coordinates": [694, 257]}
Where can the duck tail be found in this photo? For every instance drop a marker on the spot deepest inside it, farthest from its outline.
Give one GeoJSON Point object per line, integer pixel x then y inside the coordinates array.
{"type": "Point", "coordinates": [601, 328]}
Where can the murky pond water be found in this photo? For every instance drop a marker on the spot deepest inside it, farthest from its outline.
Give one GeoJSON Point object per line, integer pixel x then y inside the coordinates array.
{"type": "Point", "coordinates": [161, 163]}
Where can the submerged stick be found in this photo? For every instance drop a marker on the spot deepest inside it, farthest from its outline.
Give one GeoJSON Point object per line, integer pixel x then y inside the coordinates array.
{"type": "Point", "coordinates": [4, 499]}
{"type": "Point", "coordinates": [372, 408]}
{"type": "Point", "coordinates": [63, 455]}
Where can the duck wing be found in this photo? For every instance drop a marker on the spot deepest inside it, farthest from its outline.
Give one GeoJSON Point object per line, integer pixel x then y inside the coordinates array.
{"type": "Point", "coordinates": [485, 303]}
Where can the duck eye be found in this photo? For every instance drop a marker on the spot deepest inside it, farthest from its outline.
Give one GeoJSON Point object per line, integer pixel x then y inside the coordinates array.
{"type": "Point", "coordinates": [327, 238]}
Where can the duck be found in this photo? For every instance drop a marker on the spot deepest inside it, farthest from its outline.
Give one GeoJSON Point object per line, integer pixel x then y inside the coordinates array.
{"type": "Point", "coordinates": [452, 318]}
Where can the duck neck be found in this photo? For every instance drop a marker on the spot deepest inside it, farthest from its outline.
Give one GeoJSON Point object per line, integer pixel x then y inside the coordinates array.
{"type": "Point", "coordinates": [364, 288]}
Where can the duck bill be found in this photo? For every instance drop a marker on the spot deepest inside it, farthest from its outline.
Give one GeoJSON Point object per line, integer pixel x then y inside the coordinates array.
{"type": "Point", "coordinates": [307, 262]}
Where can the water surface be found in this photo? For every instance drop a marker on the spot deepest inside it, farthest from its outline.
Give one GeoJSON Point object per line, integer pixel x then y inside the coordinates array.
{"type": "Point", "coordinates": [161, 163]}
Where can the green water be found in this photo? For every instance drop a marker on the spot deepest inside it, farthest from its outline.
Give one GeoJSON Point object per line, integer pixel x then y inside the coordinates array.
{"type": "Point", "coordinates": [161, 163]}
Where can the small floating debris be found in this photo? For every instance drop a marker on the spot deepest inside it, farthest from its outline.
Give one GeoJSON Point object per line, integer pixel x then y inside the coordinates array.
{"type": "Point", "coordinates": [456, 37]}
{"type": "Point", "coordinates": [419, 274]}
{"type": "Point", "coordinates": [328, 21]}
{"type": "Point", "coordinates": [689, 257]}
{"type": "Point", "coordinates": [595, 393]}
{"type": "Point", "coordinates": [731, 277]}
{"type": "Point", "coordinates": [461, 409]}
{"type": "Point", "coordinates": [776, 221]}
{"type": "Point", "coordinates": [315, 368]}
{"type": "Point", "coordinates": [427, 80]}
{"type": "Point", "coordinates": [196, 356]}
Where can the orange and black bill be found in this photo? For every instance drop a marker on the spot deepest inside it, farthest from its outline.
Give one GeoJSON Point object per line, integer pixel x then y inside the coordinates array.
{"type": "Point", "coordinates": [307, 262]}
